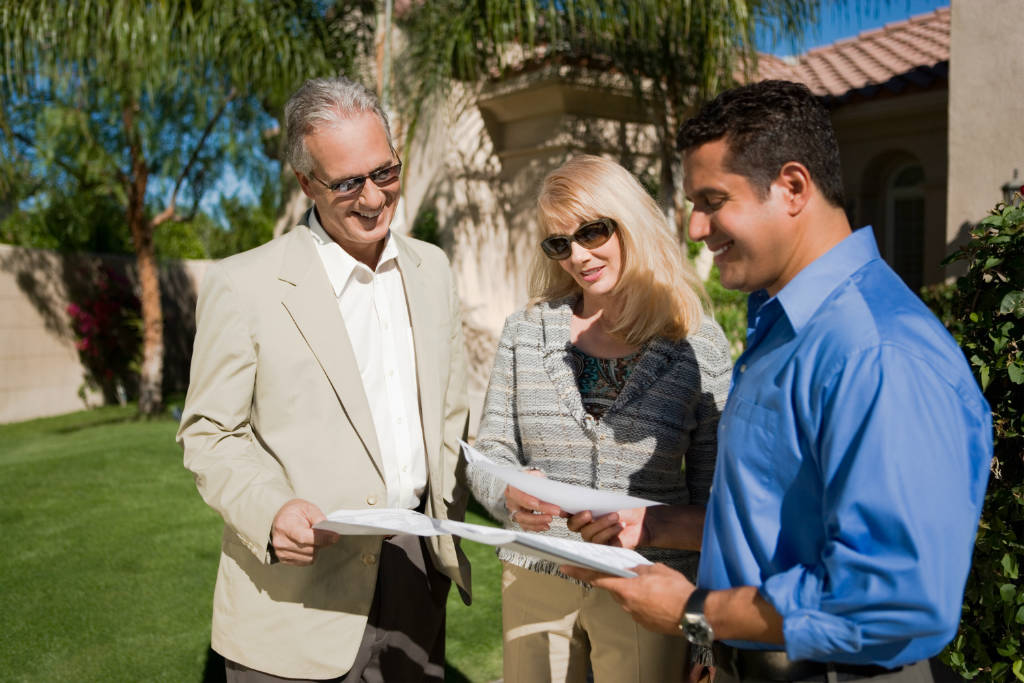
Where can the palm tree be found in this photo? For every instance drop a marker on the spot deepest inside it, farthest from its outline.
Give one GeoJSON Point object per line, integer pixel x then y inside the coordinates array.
{"type": "Point", "coordinates": [153, 87]}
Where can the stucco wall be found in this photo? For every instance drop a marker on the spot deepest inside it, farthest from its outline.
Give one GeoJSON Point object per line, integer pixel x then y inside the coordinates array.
{"type": "Point", "coordinates": [986, 108]}
{"type": "Point", "coordinates": [40, 370]}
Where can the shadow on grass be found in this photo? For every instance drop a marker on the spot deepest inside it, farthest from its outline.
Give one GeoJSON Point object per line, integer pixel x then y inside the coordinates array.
{"type": "Point", "coordinates": [453, 675]}
{"type": "Point", "coordinates": [113, 420]}
{"type": "Point", "coordinates": [214, 672]}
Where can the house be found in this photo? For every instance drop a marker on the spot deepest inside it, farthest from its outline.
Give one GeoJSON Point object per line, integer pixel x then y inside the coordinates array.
{"type": "Point", "coordinates": [925, 114]}
{"type": "Point", "coordinates": [925, 125]}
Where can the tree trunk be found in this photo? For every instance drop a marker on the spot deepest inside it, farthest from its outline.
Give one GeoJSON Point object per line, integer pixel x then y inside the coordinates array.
{"type": "Point", "coordinates": [296, 205]}
{"type": "Point", "coordinates": [151, 372]}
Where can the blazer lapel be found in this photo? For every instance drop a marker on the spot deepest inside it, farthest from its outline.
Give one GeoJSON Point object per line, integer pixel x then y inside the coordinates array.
{"type": "Point", "coordinates": [424, 314]}
{"type": "Point", "coordinates": [311, 305]}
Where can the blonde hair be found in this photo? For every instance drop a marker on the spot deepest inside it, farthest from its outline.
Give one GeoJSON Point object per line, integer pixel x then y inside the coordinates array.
{"type": "Point", "coordinates": [658, 291]}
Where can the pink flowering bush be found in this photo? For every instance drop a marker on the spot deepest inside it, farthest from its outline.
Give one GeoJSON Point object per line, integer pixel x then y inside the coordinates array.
{"type": "Point", "coordinates": [107, 324]}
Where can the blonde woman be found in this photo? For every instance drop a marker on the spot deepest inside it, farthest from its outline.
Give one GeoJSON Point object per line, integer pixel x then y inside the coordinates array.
{"type": "Point", "coordinates": [612, 377]}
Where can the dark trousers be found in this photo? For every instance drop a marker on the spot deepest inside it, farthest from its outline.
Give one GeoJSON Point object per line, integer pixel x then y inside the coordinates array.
{"type": "Point", "coordinates": [404, 636]}
{"type": "Point", "coordinates": [736, 665]}
{"type": "Point", "coordinates": [919, 672]}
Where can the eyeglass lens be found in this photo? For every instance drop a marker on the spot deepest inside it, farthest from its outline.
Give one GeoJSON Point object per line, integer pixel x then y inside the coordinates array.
{"type": "Point", "coordinates": [381, 176]}
{"type": "Point", "coordinates": [589, 236]}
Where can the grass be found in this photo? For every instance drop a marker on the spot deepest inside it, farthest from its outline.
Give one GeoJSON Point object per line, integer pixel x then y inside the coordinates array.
{"type": "Point", "coordinates": [110, 557]}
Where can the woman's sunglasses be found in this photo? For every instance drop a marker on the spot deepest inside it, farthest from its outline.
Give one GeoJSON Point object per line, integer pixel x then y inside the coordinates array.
{"type": "Point", "coordinates": [589, 235]}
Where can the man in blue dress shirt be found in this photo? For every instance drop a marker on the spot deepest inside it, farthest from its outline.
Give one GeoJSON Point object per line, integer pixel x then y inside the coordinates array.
{"type": "Point", "coordinates": [855, 445]}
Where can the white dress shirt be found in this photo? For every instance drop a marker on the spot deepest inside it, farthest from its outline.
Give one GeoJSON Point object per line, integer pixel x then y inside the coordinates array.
{"type": "Point", "coordinates": [376, 316]}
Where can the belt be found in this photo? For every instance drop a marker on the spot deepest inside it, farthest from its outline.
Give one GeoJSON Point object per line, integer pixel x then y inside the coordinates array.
{"type": "Point", "coordinates": [774, 665]}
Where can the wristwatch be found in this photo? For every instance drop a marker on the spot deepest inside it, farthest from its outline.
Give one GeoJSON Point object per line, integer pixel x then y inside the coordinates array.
{"type": "Point", "coordinates": [694, 625]}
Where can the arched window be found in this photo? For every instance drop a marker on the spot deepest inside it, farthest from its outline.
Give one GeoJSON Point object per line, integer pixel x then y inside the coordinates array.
{"type": "Point", "coordinates": [904, 223]}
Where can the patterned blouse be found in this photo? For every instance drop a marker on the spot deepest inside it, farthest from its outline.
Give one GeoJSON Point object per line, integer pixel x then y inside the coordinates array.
{"type": "Point", "coordinates": [601, 379]}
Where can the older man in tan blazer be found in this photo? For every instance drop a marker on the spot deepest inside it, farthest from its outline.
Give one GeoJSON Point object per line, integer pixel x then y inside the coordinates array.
{"type": "Point", "coordinates": [328, 372]}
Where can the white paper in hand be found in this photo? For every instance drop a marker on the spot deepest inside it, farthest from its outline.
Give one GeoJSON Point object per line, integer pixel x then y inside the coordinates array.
{"type": "Point", "coordinates": [569, 497]}
{"type": "Point", "coordinates": [379, 522]}
{"type": "Point", "coordinates": [386, 521]}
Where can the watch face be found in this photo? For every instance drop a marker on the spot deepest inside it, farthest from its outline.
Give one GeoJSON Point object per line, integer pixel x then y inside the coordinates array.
{"type": "Point", "coordinates": [697, 630]}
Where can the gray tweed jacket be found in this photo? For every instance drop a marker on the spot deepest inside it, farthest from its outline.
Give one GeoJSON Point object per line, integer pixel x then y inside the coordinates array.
{"type": "Point", "coordinates": [656, 441]}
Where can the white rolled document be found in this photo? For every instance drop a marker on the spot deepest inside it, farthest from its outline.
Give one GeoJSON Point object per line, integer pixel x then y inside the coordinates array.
{"type": "Point", "coordinates": [602, 558]}
{"type": "Point", "coordinates": [569, 497]}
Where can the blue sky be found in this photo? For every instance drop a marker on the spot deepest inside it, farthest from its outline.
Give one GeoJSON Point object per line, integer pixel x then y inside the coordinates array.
{"type": "Point", "coordinates": [840, 20]}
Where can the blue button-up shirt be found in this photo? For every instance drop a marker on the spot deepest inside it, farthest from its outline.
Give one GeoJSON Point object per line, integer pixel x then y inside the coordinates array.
{"type": "Point", "coordinates": [853, 457]}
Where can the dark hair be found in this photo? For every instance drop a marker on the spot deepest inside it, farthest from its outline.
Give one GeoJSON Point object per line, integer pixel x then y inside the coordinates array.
{"type": "Point", "coordinates": [767, 125]}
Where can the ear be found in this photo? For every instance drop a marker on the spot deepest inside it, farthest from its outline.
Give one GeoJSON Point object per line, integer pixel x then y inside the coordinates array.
{"type": "Point", "coordinates": [305, 184]}
{"type": "Point", "coordinates": [794, 183]}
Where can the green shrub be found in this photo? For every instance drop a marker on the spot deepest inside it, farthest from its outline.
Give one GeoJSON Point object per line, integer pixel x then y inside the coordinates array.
{"type": "Point", "coordinates": [730, 308]}
{"type": "Point", "coordinates": [986, 314]}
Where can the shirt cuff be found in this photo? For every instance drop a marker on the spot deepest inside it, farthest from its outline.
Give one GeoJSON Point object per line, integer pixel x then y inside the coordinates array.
{"type": "Point", "coordinates": [809, 633]}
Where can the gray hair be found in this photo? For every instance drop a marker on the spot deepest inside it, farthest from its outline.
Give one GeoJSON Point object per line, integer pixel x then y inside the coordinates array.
{"type": "Point", "coordinates": [324, 102]}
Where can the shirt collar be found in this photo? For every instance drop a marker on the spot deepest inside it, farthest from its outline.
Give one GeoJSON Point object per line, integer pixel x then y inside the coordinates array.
{"type": "Point", "coordinates": [805, 293]}
{"type": "Point", "coordinates": [339, 263]}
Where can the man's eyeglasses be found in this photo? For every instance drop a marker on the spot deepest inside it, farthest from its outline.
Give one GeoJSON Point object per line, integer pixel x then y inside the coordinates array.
{"type": "Point", "coordinates": [381, 176]}
{"type": "Point", "coordinates": [589, 235]}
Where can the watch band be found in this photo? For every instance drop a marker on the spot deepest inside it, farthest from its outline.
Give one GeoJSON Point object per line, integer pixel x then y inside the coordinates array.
{"type": "Point", "coordinates": [694, 625]}
{"type": "Point", "coordinates": [695, 603]}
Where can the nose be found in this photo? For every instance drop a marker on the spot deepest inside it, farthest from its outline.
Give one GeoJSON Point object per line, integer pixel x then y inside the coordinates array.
{"type": "Point", "coordinates": [577, 252]}
{"type": "Point", "coordinates": [699, 225]}
{"type": "Point", "coordinates": [372, 196]}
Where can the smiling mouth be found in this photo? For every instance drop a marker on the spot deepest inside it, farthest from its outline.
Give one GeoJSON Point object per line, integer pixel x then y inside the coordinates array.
{"type": "Point", "coordinates": [591, 274]}
{"type": "Point", "coordinates": [368, 215]}
{"type": "Point", "coordinates": [721, 250]}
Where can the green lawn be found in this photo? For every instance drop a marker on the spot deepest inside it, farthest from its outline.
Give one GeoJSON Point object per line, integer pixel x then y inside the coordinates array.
{"type": "Point", "coordinates": [110, 556]}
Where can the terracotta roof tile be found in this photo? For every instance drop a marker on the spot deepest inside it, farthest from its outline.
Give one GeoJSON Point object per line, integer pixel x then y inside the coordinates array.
{"type": "Point", "coordinates": [911, 53]}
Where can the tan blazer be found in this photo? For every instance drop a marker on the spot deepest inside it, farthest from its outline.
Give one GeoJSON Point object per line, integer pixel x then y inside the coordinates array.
{"type": "Point", "coordinates": [276, 410]}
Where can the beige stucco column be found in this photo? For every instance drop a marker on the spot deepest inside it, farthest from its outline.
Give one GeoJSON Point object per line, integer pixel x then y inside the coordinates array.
{"type": "Point", "coordinates": [986, 109]}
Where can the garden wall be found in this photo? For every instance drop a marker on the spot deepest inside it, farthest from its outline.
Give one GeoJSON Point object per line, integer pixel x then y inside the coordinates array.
{"type": "Point", "coordinates": [40, 370]}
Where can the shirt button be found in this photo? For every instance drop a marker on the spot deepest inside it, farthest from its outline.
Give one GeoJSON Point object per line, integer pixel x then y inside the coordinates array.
{"type": "Point", "coordinates": [369, 558]}
{"type": "Point", "coordinates": [743, 368]}
{"type": "Point", "coordinates": [371, 500]}
{"type": "Point", "coordinates": [398, 420]}
{"type": "Point", "coordinates": [601, 438]}
{"type": "Point", "coordinates": [405, 468]}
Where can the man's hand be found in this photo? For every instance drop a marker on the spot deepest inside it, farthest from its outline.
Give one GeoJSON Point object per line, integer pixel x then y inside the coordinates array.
{"type": "Point", "coordinates": [292, 535]}
{"type": "Point", "coordinates": [625, 528]}
{"type": "Point", "coordinates": [655, 598]}
{"type": "Point", "coordinates": [530, 512]}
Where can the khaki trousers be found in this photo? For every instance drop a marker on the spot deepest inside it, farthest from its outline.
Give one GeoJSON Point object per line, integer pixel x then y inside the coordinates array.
{"type": "Point", "coordinates": [552, 627]}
